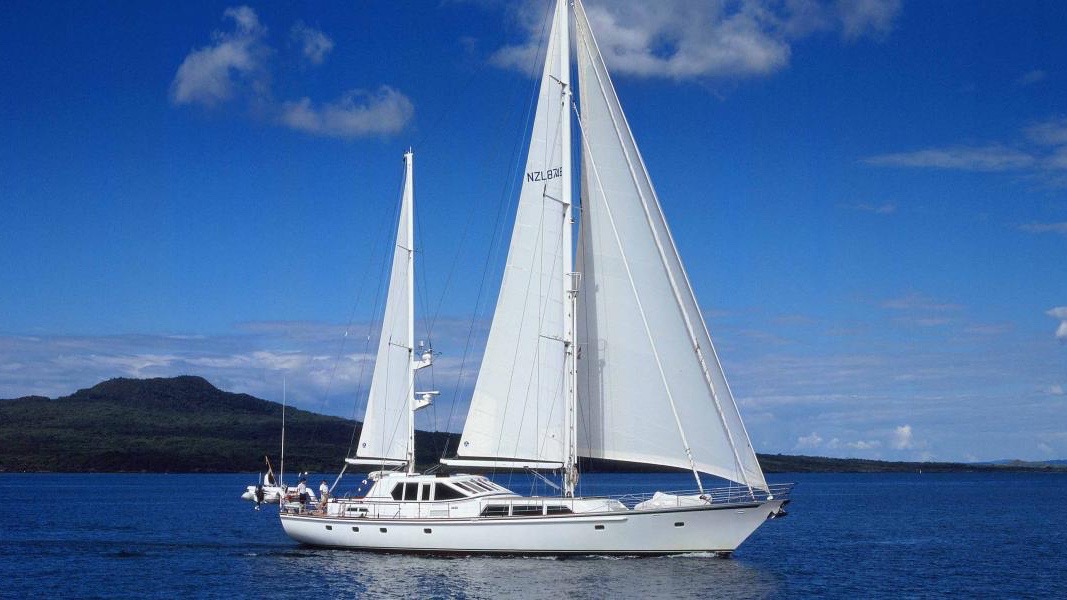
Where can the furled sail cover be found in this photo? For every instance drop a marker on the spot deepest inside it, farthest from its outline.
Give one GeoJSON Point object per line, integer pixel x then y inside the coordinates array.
{"type": "Point", "coordinates": [639, 323]}
{"type": "Point", "coordinates": [517, 410]}
{"type": "Point", "coordinates": [385, 426]}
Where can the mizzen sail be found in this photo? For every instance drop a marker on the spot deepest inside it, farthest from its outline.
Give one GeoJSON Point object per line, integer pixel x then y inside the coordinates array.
{"type": "Point", "coordinates": [385, 435]}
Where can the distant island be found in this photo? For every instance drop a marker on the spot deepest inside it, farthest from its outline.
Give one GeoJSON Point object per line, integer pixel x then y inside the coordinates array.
{"type": "Point", "coordinates": [186, 425]}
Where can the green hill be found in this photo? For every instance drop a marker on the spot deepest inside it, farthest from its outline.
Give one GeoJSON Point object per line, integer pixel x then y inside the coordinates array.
{"type": "Point", "coordinates": [180, 424]}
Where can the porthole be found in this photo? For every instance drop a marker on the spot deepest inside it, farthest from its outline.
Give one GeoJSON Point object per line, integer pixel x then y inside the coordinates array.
{"type": "Point", "coordinates": [598, 527]}
{"type": "Point", "coordinates": [679, 524]}
{"type": "Point", "coordinates": [329, 528]}
{"type": "Point", "coordinates": [355, 529]}
{"type": "Point", "coordinates": [383, 529]}
{"type": "Point", "coordinates": [427, 530]}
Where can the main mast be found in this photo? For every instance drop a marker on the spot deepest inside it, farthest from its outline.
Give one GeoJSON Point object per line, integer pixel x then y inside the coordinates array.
{"type": "Point", "coordinates": [571, 279]}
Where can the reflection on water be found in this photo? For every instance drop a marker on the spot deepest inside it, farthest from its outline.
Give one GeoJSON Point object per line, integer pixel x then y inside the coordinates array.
{"type": "Point", "coordinates": [392, 575]}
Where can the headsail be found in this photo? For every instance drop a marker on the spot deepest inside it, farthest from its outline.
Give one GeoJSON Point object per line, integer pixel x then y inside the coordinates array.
{"type": "Point", "coordinates": [518, 407]}
{"type": "Point", "coordinates": [651, 389]}
{"type": "Point", "coordinates": [385, 437]}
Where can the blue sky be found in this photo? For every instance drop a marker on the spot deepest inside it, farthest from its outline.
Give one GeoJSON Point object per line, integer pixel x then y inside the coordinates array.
{"type": "Point", "coordinates": [871, 199]}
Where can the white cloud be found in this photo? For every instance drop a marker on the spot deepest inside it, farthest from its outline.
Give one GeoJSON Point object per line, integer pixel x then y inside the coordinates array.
{"type": "Point", "coordinates": [1060, 228]}
{"type": "Point", "coordinates": [684, 39]}
{"type": "Point", "coordinates": [1051, 132]}
{"type": "Point", "coordinates": [1039, 152]}
{"type": "Point", "coordinates": [314, 44]}
{"type": "Point", "coordinates": [918, 302]}
{"type": "Point", "coordinates": [809, 441]}
{"type": "Point", "coordinates": [209, 75]}
{"type": "Point", "coordinates": [236, 64]}
{"type": "Point", "coordinates": [992, 157]}
{"type": "Point", "coordinates": [1055, 390]}
{"type": "Point", "coordinates": [856, 445]}
{"type": "Point", "coordinates": [356, 114]}
{"type": "Point", "coordinates": [1060, 312]}
{"type": "Point", "coordinates": [866, 17]}
{"type": "Point", "coordinates": [886, 208]}
{"type": "Point", "coordinates": [902, 438]}
{"type": "Point", "coordinates": [1031, 77]}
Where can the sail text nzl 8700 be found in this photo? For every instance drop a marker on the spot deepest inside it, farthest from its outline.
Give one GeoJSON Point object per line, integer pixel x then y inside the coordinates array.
{"type": "Point", "coordinates": [545, 175]}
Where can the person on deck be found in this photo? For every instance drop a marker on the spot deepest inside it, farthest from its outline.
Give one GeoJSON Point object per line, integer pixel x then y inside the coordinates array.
{"type": "Point", "coordinates": [302, 493]}
{"type": "Point", "coordinates": [324, 492]}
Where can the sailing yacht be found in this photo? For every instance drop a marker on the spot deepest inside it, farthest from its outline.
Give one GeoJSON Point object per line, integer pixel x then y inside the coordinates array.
{"type": "Point", "coordinates": [601, 353]}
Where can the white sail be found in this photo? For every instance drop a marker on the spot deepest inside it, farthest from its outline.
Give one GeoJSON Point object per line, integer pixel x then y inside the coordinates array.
{"type": "Point", "coordinates": [651, 389]}
{"type": "Point", "coordinates": [518, 407]}
{"type": "Point", "coordinates": [385, 436]}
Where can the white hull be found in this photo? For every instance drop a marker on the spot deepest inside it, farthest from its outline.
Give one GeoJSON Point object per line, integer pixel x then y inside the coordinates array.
{"type": "Point", "coordinates": [719, 529]}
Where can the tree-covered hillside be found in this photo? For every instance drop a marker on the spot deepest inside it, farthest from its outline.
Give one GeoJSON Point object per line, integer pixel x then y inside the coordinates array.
{"type": "Point", "coordinates": [180, 424]}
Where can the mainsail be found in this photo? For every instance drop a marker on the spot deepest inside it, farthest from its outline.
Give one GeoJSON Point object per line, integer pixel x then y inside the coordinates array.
{"type": "Point", "coordinates": [518, 408]}
{"type": "Point", "coordinates": [651, 389]}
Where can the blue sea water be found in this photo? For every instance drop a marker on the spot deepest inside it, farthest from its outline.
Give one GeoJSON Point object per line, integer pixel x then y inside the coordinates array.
{"type": "Point", "coordinates": [847, 536]}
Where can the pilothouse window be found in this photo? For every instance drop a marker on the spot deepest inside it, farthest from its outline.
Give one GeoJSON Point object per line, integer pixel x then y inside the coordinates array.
{"type": "Point", "coordinates": [467, 486]}
{"type": "Point", "coordinates": [445, 492]}
{"type": "Point", "coordinates": [411, 491]}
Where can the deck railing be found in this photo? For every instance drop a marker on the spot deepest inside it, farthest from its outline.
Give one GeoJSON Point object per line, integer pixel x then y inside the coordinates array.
{"type": "Point", "coordinates": [724, 495]}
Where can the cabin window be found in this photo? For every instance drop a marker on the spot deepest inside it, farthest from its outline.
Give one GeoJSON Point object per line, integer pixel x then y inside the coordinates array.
{"type": "Point", "coordinates": [679, 524]}
{"type": "Point", "coordinates": [557, 510]}
{"type": "Point", "coordinates": [598, 527]}
{"type": "Point", "coordinates": [526, 511]}
{"type": "Point", "coordinates": [329, 528]}
{"type": "Point", "coordinates": [495, 510]}
{"type": "Point", "coordinates": [411, 491]}
{"type": "Point", "coordinates": [424, 492]}
{"type": "Point", "coordinates": [444, 492]}
{"type": "Point", "coordinates": [427, 530]}
{"type": "Point", "coordinates": [398, 492]}
{"type": "Point", "coordinates": [355, 529]}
